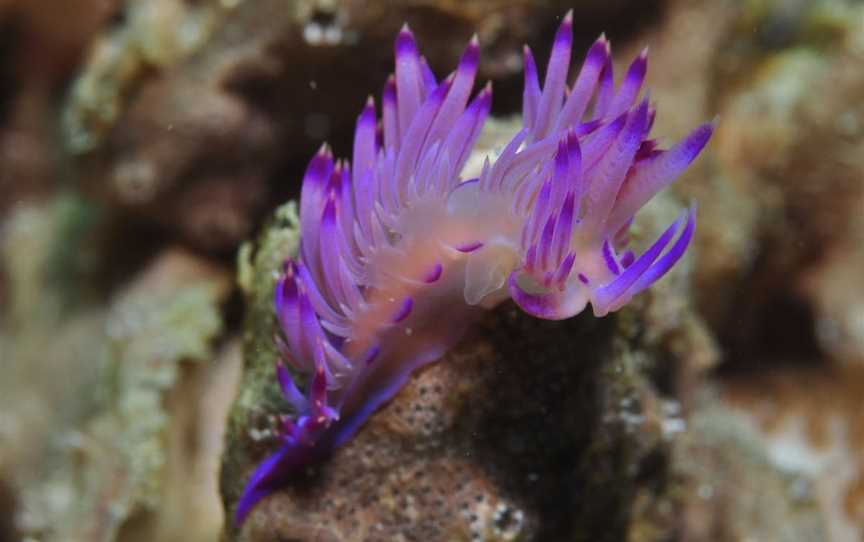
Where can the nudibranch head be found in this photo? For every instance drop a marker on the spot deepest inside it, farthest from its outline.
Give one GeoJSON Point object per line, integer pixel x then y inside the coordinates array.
{"type": "Point", "coordinates": [398, 252]}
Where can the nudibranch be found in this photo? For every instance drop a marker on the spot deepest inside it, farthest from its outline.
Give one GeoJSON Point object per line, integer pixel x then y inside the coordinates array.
{"type": "Point", "coordinates": [398, 253]}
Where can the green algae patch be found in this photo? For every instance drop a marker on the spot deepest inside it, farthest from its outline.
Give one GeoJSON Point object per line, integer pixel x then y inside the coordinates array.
{"type": "Point", "coordinates": [252, 417]}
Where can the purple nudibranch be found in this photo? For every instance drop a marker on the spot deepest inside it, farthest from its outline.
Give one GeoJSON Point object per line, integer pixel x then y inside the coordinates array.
{"type": "Point", "coordinates": [397, 239]}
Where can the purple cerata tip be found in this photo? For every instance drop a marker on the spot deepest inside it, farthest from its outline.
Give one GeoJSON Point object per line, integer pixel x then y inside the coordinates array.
{"type": "Point", "coordinates": [405, 44]}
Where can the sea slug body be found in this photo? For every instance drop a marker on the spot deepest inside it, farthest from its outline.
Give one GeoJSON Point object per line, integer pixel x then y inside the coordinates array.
{"type": "Point", "coordinates": [399, 253]}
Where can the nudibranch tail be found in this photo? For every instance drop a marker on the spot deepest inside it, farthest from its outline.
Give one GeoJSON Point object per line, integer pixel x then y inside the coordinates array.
{"type": "Point", "coordinates": [399, 239]}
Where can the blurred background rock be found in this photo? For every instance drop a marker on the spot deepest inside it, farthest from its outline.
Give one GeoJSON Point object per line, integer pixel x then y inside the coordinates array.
{"type": "Point", "coordinates": [142, 142]}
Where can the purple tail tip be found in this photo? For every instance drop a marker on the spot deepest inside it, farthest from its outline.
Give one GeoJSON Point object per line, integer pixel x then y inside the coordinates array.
{"type": "Point", "coordinates": [272, 474]}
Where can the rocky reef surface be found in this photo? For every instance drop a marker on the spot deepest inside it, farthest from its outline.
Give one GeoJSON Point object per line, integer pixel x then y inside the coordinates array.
{"type": "Point", "coordinates": [147, 149]}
